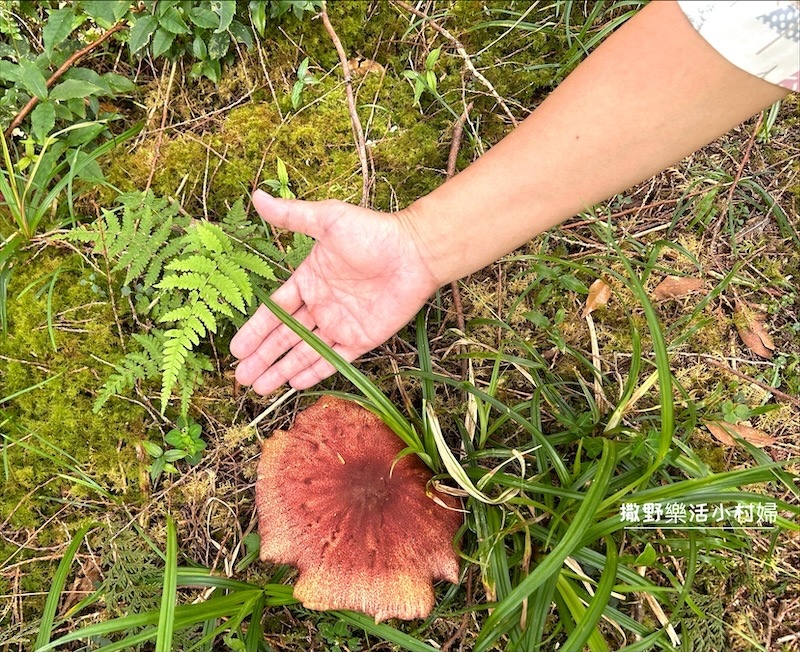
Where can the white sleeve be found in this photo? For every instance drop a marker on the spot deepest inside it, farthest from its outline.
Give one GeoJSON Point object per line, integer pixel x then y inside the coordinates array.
{"type": "Point", "coordinates": [761, 37]}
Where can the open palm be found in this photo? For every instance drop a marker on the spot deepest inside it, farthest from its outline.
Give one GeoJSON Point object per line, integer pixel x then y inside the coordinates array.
{"type": "Point", "coordinates": [363, 280]}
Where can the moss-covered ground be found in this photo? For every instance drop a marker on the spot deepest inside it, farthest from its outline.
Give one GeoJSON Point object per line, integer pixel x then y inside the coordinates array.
{"type": "Point", "coordinates": [63, 465]}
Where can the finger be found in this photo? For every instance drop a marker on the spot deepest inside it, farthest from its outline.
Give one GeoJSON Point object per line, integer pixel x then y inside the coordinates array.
{"type": "Point", "coordinates": [299, 358]}
{"type": "Point", "coordinates": [320, 370]}
{"type": "Point", "coordinates": [263, 321]}
{"type": "Point", "coordinates": [278, 342]}
{"type": "Point", "coordinates": [307, 217]}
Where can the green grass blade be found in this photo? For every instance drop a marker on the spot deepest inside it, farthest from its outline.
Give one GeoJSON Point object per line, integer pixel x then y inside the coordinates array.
{"type": "Point", "coordinates": [385, 632]}
{"type": "Point", "coordinates": [166, 616]}
{"type": "Point", "coordinates": [505, 610]}
{"type": "Point", "coordinates": [586, 626]}
{"type": "Point", "coordinates": [59, 580]}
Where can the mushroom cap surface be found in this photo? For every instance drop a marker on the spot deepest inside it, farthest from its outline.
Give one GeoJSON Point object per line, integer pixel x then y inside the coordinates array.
{"type": "Point", "coordinates": [363, 535]}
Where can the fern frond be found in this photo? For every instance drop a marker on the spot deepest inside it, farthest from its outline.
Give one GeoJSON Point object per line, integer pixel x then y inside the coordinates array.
{"type": "Point", "coordinates": [210, 237]}
{"type": "Point", "coordinates": [193, 263]}
{"type": "Point", "coordinates": [254, 264]}
{"type": "Point", "coordinates": [229, 290]}
{"type": "Point", "coordinates": [238, 276]}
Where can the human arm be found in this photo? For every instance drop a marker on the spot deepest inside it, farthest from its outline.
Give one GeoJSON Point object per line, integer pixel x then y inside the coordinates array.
{"type": "Point", "coordinates": [650, 94]}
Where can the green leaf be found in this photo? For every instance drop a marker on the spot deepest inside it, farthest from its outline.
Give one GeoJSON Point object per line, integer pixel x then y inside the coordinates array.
{"type": "Point", "coordinates": [43, 119]}
{"type": "Point", "coordinates": [119, 83]}
{"type": "Point", "coordinates": [226, 10]}
{"type": "Point", "coordinates": [647, 557]}
{"type": "Point", "coordinates": [106, 12]}
{"type": "Point", "coordinates": [60, 579]}
{"type": "Point", "coordinates": [166, 615]}
{"type": "Point", "coordinates": [258, 15]}
{"type": "Point", "coordinates": [241, 34]}
{"type": "Point", "coordinates": [218, 45]}
{"type": "Point", "coordinates": [204, 18]}
{"type": "Point", "coordinates": [199, 49]}
{"type": "Point", "coordinates": [32, 79]}
{"type": "Point", "coordinates": [89, 75]}
{"type": "Point", "coordinates": [10, 71]}
{"type": "Point", "coordinates": [141, 32]}
{"type": "Point", "coordinates": [162, 42]}
{"type": "Point", "coordinates": [152, 449]}
{"type": "Point", "coordinates": [71, 89]}
{"type": "Point", "coordinates": [57, 28]}
{"type": "Point", "coordinates": [173, 22]}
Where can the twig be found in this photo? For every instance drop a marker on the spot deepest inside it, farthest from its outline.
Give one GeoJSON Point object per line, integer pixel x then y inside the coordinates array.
{"type": "Point", "coordinates": [794, 400]}
{"type": "Point", "coordinates": [463, 54]}
{"type": "Point", "coordinates": [452, 157]}
{"type": "Point", "coordinates": [164, 114]}
{"type": "Point", "coordinates": [739, 171]}
{"type": "Point", "coordinates": [358, 131]}
{"type": "Point", "coordinates": [17, 121]}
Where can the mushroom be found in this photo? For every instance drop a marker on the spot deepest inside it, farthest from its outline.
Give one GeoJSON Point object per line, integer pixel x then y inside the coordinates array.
{"type": "Point", "coordinates": [360, 527]}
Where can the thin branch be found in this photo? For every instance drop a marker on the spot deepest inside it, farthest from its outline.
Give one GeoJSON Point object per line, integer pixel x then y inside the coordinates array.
{"type": "Point", "coordinates": [794, 400]}
{"type": "Point", "coordinates": [164, 114]}
{"type": "Point", "coordinates": [358, 131]}
{"type": "Point", "coordinates": [463, 54]}
{"type": "Point", "coordinates": [17, 121]}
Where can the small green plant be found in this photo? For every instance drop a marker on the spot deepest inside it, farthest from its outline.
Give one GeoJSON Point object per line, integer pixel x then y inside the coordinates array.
{"type": "Point", "coordinates": [209, 31]}
{"type": "Point", "coordinates": [304, 78]}
{"type": "Point", "coordinates": [186, 442]}
{"type": "Point", "coordinates": [425, 80]}
{"type": "Point", "coordinates": [190, 279]}
{"type": "Point", "coordinates": [280, 186]}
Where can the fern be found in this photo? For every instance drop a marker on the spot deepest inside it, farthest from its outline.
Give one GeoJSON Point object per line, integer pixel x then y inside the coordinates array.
{"type": "Point", "coordinates": [190, 276]}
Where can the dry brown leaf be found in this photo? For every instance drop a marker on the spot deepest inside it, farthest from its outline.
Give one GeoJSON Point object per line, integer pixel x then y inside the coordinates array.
{"type": "Point", "coordinates": [599, 294]}
{"type": "Point", "coordinates": [750, 327]}
{"type": "Point", "coordinates": [675, 287]}
{"type": "Point", "coordinates": [723, 432]}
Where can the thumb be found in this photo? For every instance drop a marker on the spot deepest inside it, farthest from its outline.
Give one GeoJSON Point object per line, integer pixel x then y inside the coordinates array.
{"type": "Point", "coordinates": [294, 214]}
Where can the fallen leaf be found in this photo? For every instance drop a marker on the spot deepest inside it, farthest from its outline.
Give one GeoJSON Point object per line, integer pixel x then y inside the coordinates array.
{"type": "Point", "coordinates": [723, 432]}
{"type": "Point", "coordinates": [82, 586]}
{"type": "Point", "coordinates": [599, 294]}
{"type": "Point", "coordinates": [750, 327]}
{"type": "Point", "coordinates": [675, 287]}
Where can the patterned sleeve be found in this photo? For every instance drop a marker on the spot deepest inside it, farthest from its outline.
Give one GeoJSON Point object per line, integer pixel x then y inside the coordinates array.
{"type": "Point", "coordinates": [761, 37]}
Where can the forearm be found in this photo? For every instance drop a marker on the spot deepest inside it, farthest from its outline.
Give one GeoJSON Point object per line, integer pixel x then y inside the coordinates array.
{"type": "Point", "coordinates": [652, 93]}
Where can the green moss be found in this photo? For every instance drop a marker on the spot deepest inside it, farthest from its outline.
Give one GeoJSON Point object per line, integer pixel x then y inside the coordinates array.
{"type": "Point", "coordinates": [53, 425]}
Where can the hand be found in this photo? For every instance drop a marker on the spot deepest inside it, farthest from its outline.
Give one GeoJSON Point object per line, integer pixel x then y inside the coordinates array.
{"type": "Point", "coordinates": [364, 279]}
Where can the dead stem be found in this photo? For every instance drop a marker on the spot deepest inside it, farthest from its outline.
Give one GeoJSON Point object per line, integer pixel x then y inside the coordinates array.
{"type": "Point", "coordinates": [164, 114]}
{"type": "Point", "coordinates": [358, 131]}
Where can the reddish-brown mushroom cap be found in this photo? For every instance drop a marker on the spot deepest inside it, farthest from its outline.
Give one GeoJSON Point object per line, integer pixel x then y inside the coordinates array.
{"type": "Point", "coordinates": [364, 536]}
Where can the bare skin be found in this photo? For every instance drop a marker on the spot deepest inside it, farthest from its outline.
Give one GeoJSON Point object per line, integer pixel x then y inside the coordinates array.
{"type": "Point", "coordinates": [651, 94]}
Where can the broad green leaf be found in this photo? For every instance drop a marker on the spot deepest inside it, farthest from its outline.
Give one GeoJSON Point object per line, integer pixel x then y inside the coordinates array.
{"type": "Point", "coordinates": [90, 76]}
{"type": "Point", "coordinates": [241, 34]}
{"type": "Point", "coordinates": [106, 12]}
{"type": "Point", "coordinates": [162, 42]}
{"type": "Point", "coordinates": [204, 18]}
{"type": "Point", "coordinates": [226, 10]}
{"type": "Point", "coordinates": [73, 89]}
{"type": "Point", "coordinates": [119, 83]}
{"type": "Point", "coordinates": [141, 32]}
{"type": "Point", "coordinates": [57, 28]}
{"type": "Point", "coordinates": [218, 45]}
{"type": "Point", "coordinates": [10, 71]}
{"type": "Point", "coordinates": [258, 15]}
{"type": "Point", "coordinates": [32, 79]}
{"type": "Point", "coordinates": [199, 49]}
{"type": "Point", "coordinates": [173, 22]}
{"type": "Point", "coordinates": [43, 119]}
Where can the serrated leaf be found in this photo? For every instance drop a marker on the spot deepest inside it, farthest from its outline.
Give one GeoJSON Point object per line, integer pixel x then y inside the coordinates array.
{"type": "Point", "coordinates": [106, 12]}
{"type": "Point", "coordinates": [119, 83]}
{"type": "Point", "coordinates": [226, 10]}
{"type": "Point", "coordinates": [57, 28]}
{"type": "Point", "coordinates": [71, 89]}
{"type": "Point", "coordinates": [141, 32]}
{"type": "Point", "coordinates": [218, 45]}
{"type": "Point", "coordinates": [162, 41]}
{"type": "Point", "coordinates": [32, 79]}
{"type": "Point", "coordinates": [199, 49]}
{"type": "Point", "coordinates": [173, 22]}
{"type": "Point", "coordinates": [204, 18]}
{"type": "Point", "coordinates": [599, 294]}
{"type": "Point", "coordinates": [43, 119]}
